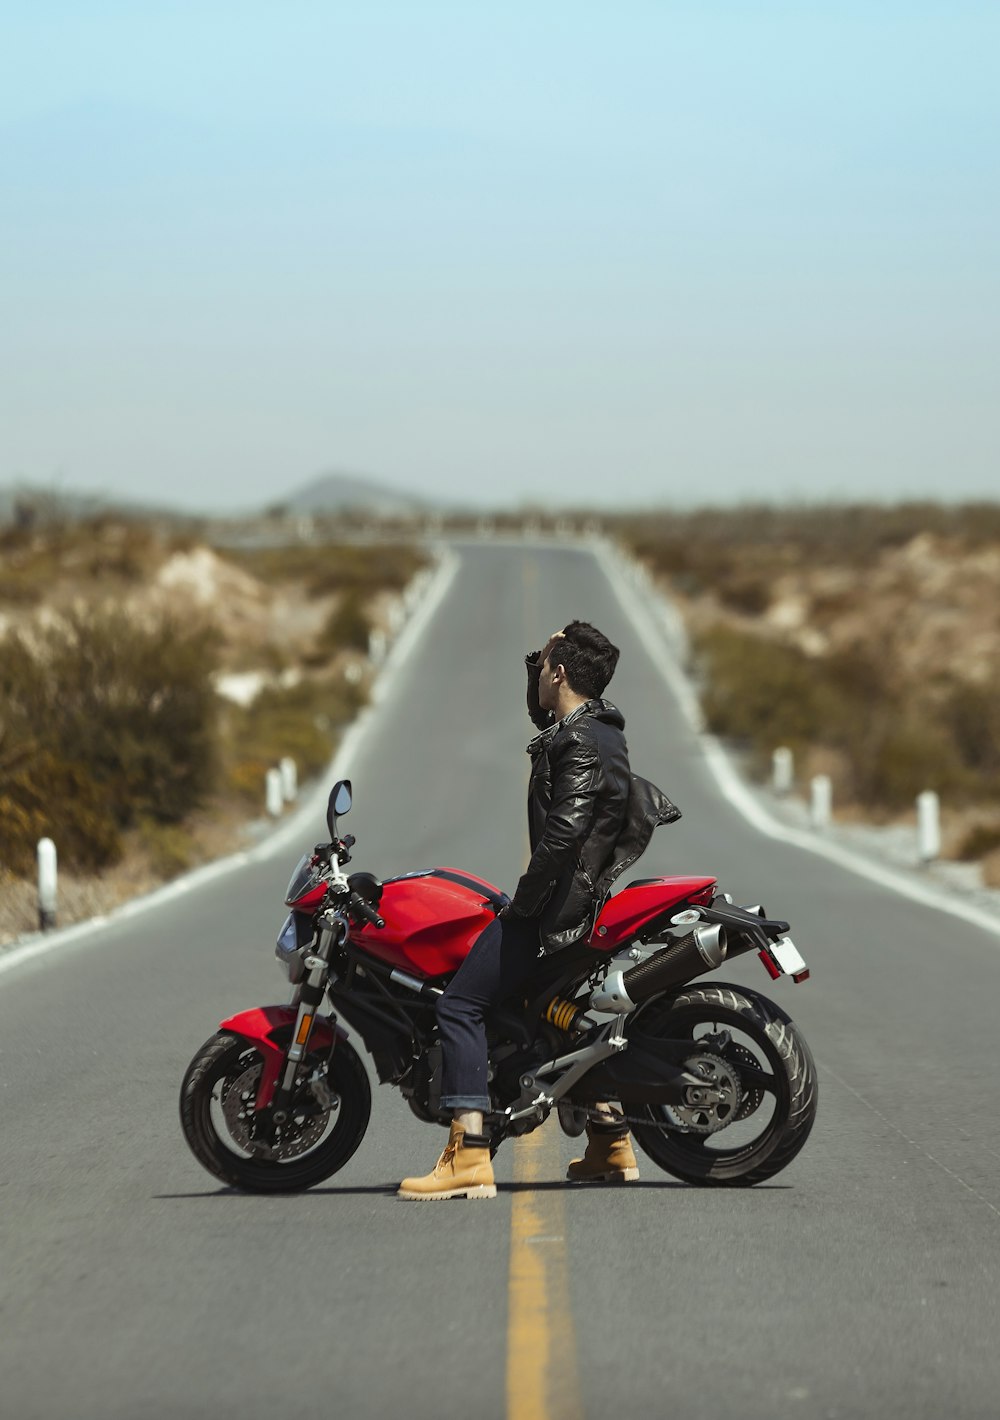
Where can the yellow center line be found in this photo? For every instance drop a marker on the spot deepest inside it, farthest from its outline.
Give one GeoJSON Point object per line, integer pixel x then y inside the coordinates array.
{"type": "Point", "coordinates": [542, 1380]}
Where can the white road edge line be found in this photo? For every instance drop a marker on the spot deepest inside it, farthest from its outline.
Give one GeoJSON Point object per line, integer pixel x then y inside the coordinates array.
{"type": "Point", "coordinates": [654, 632]}
{"type": "Point", "coordinates": [41, 944]}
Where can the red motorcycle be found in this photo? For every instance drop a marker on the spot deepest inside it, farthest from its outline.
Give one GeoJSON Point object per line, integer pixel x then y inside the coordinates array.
{"type": "Point", "coordinates": [714, 1080]}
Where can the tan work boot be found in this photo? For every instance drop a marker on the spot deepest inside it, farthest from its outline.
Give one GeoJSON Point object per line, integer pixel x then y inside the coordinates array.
{"type": "Point", "coordinates": [464, 1170]}
{"type": "Point", "coordinates": [608, 1158]}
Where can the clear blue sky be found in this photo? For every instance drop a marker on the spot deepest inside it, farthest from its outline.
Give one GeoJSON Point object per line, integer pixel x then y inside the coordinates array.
{"type": "Point", "coordinates": [641, 252]}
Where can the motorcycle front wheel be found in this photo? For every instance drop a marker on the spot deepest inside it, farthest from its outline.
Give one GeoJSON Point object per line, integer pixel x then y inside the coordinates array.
{"type": "Point", "coordinates": [751, 1055]}
{"type": "Point", "coordinates": [218, 1120]}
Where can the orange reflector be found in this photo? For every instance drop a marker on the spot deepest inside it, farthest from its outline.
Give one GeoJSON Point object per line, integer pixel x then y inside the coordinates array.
{"type": "Point", "coordinates": [303, 1033]}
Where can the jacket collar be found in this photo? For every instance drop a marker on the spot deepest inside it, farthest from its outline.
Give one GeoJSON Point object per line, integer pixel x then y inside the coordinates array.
{"type": "Point", "coordinates": [589, 707]}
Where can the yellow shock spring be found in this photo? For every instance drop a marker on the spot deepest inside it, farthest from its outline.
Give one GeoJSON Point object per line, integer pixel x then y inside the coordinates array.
{"type": "Point", "coordinates": [562, 1014]}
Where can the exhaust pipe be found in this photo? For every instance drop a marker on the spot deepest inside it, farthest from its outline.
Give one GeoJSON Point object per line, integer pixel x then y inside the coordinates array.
{"type": "Point", "coordinates": [702, 950]}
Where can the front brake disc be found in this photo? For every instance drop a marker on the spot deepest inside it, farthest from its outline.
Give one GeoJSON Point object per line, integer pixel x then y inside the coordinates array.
{"type": "Point", "coordinates": [300, 1132]}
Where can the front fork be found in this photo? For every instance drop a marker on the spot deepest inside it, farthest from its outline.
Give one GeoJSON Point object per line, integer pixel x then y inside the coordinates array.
{"type": "Point", "coordinates": [275, 1094]}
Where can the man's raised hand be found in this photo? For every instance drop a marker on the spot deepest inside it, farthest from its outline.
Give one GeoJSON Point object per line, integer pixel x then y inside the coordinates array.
{"type": "Point", "coordinates": [544, 654]}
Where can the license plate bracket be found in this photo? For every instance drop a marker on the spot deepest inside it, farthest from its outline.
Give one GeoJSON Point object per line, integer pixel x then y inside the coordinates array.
{"type": "Point", "coordinates": [787, 956]}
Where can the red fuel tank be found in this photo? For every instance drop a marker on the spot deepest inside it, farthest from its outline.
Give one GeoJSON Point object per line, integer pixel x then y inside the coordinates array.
{"type": "Point", "coordinates": [431, 920]}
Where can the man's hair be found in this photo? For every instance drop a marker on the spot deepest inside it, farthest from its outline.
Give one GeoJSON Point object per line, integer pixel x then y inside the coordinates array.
{"type": "Point", "coordinates": [588, 658]}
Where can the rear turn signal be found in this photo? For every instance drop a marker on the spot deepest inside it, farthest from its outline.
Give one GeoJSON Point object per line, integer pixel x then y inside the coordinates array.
{"type": "Point", "coordinates": [771, 967]}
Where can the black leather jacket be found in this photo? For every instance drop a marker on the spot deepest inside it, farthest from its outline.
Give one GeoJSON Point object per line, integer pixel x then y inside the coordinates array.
{"type": "Point", "coordinates": [589, 817]}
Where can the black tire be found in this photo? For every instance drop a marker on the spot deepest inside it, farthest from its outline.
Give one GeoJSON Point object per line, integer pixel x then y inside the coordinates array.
{"type": "Point", "coordinates": [758, 1146]}
{"type": "Point", "coordinates": [226, 1058]}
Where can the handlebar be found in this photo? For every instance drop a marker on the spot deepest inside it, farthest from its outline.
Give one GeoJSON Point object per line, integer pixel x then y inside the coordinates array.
{"type": "Point", "coordinates": [339, 848]}
{"type": "Point", "coordinates": [364, 909]}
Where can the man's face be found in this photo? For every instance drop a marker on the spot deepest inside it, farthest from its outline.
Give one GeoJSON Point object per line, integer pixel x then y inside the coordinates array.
{"type": "Point", "coordinates": [548, 682]}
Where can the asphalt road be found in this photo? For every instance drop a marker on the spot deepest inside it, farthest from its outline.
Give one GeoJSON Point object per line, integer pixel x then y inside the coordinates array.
{"type": "Point", "coordinates": [860, 1282]}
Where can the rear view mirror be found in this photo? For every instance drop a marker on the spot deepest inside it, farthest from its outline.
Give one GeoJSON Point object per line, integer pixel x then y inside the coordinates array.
{"type": "Point", "coordinates": [340, 801]}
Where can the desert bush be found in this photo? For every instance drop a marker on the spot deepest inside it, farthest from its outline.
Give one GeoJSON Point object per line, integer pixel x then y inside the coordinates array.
{"type": "Point", "coordinates": [245, 776]}
{"type": "Point", "coordinates": [47, 797]}
{"type": "Point", "coordinates": [972, 715]}
{"type": "Point", "coordinates": [979, 841]}
{"type": "Point", "coordinates": [763, 694]}
{"type": "Point", "coordinates": [895, 732]}
{"type": "Point", "coordinates": [759, 692]}
{"type": "Point", "coordinates": [367, 569]}
{"type": "Point", "coordinates": [303, 722]}
{"type": "Point", "coordinates": [747, 592]}
{"type": "Point", "coordinates": [347, 627]}
{"type": "Point", "coordinates": [104, 711]}
{"type": "Point", "coordinates": [94, 550]}
{"type": "Point", "coordinates": [896, 756]}
{"type": "Point", "coordinates": [704, 541]}
{"type": "Point", "coordinates": [329, 568]}
{"type": "Point", "coordinates": [990, 867]}
{"type": "Point", "coordinates": [169, 847]}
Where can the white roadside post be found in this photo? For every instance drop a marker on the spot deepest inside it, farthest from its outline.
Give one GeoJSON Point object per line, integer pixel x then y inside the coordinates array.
{"type": "Point", "coordinates": [376, 647]}
{"type": "Point", "coordinates": [396, 615]}
{"type": "Point", "coordinates": [289, 779]}
{"type": "Point", "coordinates": [782, 770]}
{"type": "Point", "coordinates": [48, 882]}
{"type": "Point", "coordinates": [274, 799]}
{"type": "Point", "coordinates": [821, 801]}
{"type": "Point", "coordinates": [928, 825]}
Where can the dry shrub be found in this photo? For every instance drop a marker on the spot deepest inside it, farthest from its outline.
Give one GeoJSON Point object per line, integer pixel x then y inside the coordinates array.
{"type": "Point", "coordinates": [748, 592]}
{"type": "Point", "coordinates": [894, 757]}
{"type": "Point", "coordinates": [100, 550]}
{"type": "Point", "coordinates": [303, 722]}
{"type": "Point", "coordinates": [980, 841]}
{"type": "Point", "coordinates": [245, 777]}
{"type": "Point", "coordinates": [330, 568]}
{"type": "Point", "coordinates": [758, 692]}
{"type": "Point", "coordinates": [893, 732]}
{"type": "Point", "coordinates": [763, 694]}
{"type": "Point", "coordinates": [48, 797]}
{"type": "Point", "coordinates": [105, 722]}
{"type": "Point", "coordinates": [991, 869]}
{"type": "Point", "coordinates": [347, 628]}
{"type": "Point", "coordinates": [169, 848]}
{"type": "Point", "coordinates": [708, 543]}
{"type": "Point", "coordinates": [971, 714]}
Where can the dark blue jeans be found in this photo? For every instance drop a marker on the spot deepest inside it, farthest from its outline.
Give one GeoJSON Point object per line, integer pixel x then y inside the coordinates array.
{"type": "Point", "coordinates": [502, 958]}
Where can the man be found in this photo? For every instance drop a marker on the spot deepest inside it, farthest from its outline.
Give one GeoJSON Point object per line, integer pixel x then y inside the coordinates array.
{"type": "Point", "coordinates": [587, 818]}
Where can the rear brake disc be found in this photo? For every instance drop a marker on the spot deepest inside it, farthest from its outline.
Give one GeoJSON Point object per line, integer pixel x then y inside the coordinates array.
{"type": "Point", "coordinates": [712, 1105]}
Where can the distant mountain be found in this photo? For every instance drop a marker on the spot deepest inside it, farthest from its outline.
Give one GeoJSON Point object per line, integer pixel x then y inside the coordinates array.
{"type": "Point", "coordinates": [328, 494]}
{"type": "Point", "coordinates": [343, 492]}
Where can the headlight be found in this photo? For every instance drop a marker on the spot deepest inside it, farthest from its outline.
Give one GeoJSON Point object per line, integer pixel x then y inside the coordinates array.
{"type": "Point", "coordinates": [287, 949]}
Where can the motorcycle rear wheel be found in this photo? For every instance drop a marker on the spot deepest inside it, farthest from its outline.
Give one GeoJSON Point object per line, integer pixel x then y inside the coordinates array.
{"type": "Point", "coordinates": [214, 1127]}
{"type": "Point", "coordinates": [771, 1124]}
